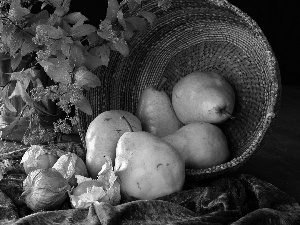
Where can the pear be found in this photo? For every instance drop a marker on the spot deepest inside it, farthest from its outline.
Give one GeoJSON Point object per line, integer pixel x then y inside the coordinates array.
{"type": "Point", "coordinates": [102, 136]}
{"type": "Point", "coordinates": [147, 166]}
{"type": "Point", "coordinates": [202, 145]}
{"type": "Point", "coordinates": [156, 112]}
{"type": "Point", "coordinates": [203, 97]}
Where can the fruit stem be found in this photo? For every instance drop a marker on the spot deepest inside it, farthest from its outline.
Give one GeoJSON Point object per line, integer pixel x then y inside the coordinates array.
{"type": "Point", "coordinates": [128, 124]}
{"type": "Point", "coordinates": [161, 83]}
{"type": "Point", "coordinates": [227, 113]}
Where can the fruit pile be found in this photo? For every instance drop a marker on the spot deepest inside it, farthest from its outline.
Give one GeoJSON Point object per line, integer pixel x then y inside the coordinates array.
{"type": "Point", "coordinates": [137, 156]}
{"type": "Point", "coordinates": [153, 147]}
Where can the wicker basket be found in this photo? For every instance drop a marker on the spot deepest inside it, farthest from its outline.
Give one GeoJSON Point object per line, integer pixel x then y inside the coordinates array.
{"type": "Point", "coordinates": [206, 35]}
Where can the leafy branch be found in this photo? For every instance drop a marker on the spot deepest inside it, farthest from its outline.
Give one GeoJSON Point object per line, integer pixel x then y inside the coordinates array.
{"type": "Point", "coordinates": [65, 47]}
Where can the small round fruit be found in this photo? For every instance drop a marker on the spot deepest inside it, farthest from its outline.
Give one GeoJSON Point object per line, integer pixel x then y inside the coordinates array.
{"type": "Point", "coordinates": [36, 157]}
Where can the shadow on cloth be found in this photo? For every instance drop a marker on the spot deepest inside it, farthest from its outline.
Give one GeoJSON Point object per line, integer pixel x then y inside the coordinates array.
{"type": "Point", "coordinates": [235, 199]}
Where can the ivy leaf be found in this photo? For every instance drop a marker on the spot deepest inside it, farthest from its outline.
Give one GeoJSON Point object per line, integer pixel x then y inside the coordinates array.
{"type": "Point", "coordinates": [149, 16]}
{"type": "Point", "coordinates": [84, 105]}
{"type": "Point", "coordinates": [15, 61]}
{"type": "Point", "coordinates": [76, 55]}
{"type": "Point", "coordinates": [16, 11]}
{"type": "Point", "coordinates": [75, 17]}
{"type": "Point", "coordinates": [83, 30]}
{"type": "Point", "coordinates": [136, 23]}
{"type": "Point", "coordinates": [86, 79]}
{"type": "Point", "coordinates": [103, 52]}
{"type": "Point", "coordinates": [57, 70]}
{"type": "Point", "coordinates": [6, 101]}
{"type": "Point", "coordinates": [112, 10]}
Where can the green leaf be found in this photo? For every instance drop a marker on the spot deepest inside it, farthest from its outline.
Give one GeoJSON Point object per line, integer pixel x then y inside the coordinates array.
{"type": "Point", "coordinates": [20, 90]}
{"type": "Point", "coordinates": [75, 17]}
{"type": "Point", "coordinates": [112, 10]}
{"type": "Point", "coordinates": [28, 45]}
{"type": "Point", "coordinates": [50, 31]}
{"type": "Point", "coordinates": [121, 19]}
{"type": "Point", "coordinates": [83, 30]}
{"type": "Point", "coordinates": [16, 11]}
{"type": "Point", "coordinates": [103, 52]}
{"type": "Point", "coordinates": [94, 39]}
{"type": "Point", "coordinates": [133, 4]}
{"type": "Point", "coordinates": [1, 25]}
{"type": "Point", "coordinates": [58, 70]}
{"type": "Point", "coordinates": [128, 34]}
{"type": "Point", "coordinates": [149, 16]}
{"type": "Point", "coordinates": [76, 55]}
{"type": "Point", "coordinates": [15, 42]}
{"type": "Point", "coordinates": [7, 31]}
{"type": "Point", "coordinates": [105, 30]}
{"type": "Point", "coordinates": [66, 43]}
{"type": "Point", "coordinates": [55, 46]}
{"type": "Point", "coordinates": [18, 120]}
{"type": "Point", "coordinates": [66, 27]}
{"type": "Point", "coordinates": [4, 97]}
{"type": "Point", "coordinates": [86, 79]}
{"type": "Point", "coordinates": [84, 105]}
{"type": "Point", "coordinates": [136, 23]}
{"type": "Point", "coordinates": [121, 46]}
{"type": "Point", "coordinates": [40, 17]}
{"type": "Point", "coordinates": [91, 62]}
{"type": "Point", "coordinates": [15, 61]}
{"type": "Point", "coordinates": [55, 3]}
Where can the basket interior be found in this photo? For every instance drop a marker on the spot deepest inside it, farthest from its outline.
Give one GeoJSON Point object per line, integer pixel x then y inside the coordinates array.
{"type": "Point", "coordinates": [208, 41]}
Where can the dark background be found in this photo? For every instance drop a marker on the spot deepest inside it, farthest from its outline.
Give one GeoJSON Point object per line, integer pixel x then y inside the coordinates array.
{"type": "Point", "coordinates": [278, 19]}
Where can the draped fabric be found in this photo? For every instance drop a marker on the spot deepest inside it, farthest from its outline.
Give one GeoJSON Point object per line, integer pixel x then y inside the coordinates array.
{"type": "Point", "coordinates": [237, 199]}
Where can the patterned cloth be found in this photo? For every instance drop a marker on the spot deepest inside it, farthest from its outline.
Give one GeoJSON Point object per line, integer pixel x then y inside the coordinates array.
{"type": "Point", "coordinates": [234, 199]}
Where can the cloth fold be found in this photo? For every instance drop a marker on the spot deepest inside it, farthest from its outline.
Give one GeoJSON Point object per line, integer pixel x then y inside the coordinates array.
{"type": "Point", "coordinates": [234, 199]}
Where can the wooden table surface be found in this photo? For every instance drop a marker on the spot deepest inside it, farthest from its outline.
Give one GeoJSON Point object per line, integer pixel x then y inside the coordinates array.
{"type": "Point", "coordinates": [278, 161]}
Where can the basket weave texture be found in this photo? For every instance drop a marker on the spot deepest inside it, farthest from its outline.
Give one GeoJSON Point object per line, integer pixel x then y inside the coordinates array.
{"type": "Point", "coordinates": [205, 35]}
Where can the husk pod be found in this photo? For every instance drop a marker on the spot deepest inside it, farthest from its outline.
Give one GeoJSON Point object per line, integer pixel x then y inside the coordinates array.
{"type": "Point", "coordinates": [105, 188]}
{"type": "Point", "coordinates": [39, 157]}
{"type": "Point", "coordinates": [70, 165]}
{"type": "Point", "coordinates": [44, 189]}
